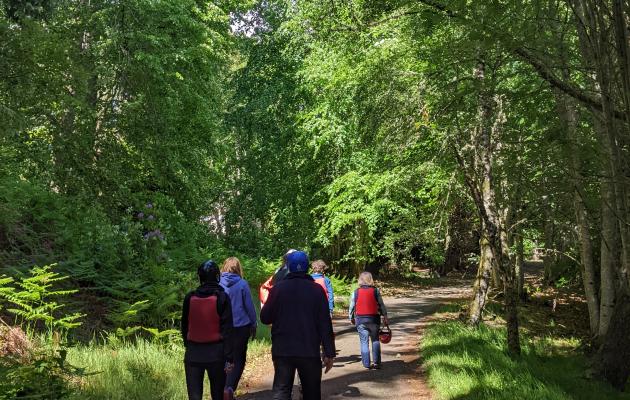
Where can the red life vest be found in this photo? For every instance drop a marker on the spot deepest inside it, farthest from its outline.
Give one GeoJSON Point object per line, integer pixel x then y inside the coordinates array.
{"type": "Point", "coordinates": [322, 282]}
{"type": "Point", "coordinates": [366, 303]}
{"type": "Point", "coordinates": [265, 288]}
{"type": "Point", "coordinates": [204, 323]}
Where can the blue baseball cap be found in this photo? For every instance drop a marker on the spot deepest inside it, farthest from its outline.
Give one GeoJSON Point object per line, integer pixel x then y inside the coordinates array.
{"type": "Point", "coordinates": [297, 261]}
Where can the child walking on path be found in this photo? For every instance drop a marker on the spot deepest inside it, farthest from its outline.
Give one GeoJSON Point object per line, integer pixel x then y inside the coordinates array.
{"type": "Point", "coordinates": [366, 309]}
{"type": "Point", "coordinates": [206, 329]}
{"type": "Point", "coordinates": [243, 318]}
{"type": "Point", "coordinates": [319, 267]}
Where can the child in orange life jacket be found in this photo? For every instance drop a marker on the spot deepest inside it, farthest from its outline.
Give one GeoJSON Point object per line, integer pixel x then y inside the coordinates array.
{"type": "Point", "coordinates": [318, 267]}
{"type": "Point", "coordinates": [206, 329]}
{"type": "Point", "coordinates": [366, 308]}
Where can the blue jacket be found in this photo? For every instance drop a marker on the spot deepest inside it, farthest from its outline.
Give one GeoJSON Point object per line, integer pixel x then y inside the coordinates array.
{"type": "Point", "coordinates": [298, 312]}
{"type": "Point", "coordinates": [329, 288]}
{"type": "Point", "coordinates": [243, 312]}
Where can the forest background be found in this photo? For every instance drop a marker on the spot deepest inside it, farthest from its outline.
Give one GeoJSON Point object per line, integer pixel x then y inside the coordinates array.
{"type": "Point", "coordinates": [139, 137]}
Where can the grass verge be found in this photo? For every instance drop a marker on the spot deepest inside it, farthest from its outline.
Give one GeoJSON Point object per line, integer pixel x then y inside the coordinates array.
{"type": "Point", "coordinates": [468, 363]}
{"type": "Point", "coordinates": [137, 370]}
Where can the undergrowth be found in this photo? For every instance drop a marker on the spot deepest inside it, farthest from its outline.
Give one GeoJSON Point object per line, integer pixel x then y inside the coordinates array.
{"type": "Point", "coordinates": [469, 363]}
{"type": "Point", "coordinates": [136, 370]}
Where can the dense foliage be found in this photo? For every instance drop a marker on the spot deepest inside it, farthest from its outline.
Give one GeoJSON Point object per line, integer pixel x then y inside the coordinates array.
{"type": "Point", "coordinates": [138, 137]}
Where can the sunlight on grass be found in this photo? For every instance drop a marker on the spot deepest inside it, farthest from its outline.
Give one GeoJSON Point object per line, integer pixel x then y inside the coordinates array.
{"type": "Point", "coordinates": [467, 363]}
{"type": "Point", "coordinates": [137, 370]}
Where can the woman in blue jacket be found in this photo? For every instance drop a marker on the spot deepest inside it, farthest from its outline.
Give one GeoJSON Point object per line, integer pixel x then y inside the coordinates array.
{"type": "Point", "coordinates": [243, 316]}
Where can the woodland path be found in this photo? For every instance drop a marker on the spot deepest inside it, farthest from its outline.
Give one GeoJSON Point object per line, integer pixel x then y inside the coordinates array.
{"type": "Point", "coordinates": [401, 376]}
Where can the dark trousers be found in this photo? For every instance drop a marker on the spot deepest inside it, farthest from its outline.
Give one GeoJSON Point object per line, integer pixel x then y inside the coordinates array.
{"type": "Point", "coordinates": [195, 375]}
{"type": "Point", "coordinates": [240, 336]}
{"type": "Point", "coordinates": [309, 370]}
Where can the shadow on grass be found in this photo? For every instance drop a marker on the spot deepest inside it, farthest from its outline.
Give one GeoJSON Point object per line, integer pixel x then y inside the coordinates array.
{"type": "Point", "coordinates": [466, 363]}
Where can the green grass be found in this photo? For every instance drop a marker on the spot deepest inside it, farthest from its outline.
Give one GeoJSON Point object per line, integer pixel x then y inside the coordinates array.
{"type": "Point", "coordinates": [136, 370]}
{"type": "Point", "coordinates": [468, 363]}
{"type": "Point", "coordinates": [141, 369]}
{"type": "Point", "coordinates": [133, 370]}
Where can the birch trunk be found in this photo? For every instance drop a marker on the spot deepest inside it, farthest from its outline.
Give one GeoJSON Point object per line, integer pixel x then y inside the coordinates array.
{"type": "Point", "coordinates": [568, 116]}
{"type": "Point", "coordinates": [482, 282]}
{"type": "Point", "coordinates": [485, 137]}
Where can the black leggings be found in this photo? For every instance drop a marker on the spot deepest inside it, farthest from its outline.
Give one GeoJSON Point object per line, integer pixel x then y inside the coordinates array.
{"type": "Point", "coordinates": [195, 375]}
{"type": "Point", "coordinates": [240, 336]}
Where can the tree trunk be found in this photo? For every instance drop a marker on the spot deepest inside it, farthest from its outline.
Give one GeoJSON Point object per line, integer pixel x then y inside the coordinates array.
{"type": "Point", "coordinates": [602, 36]}
{"type": "Point", "coordinates": [519, 266]}
{"type": "Point", "coordinates": [510, 292]}
{"type": "Point", "coordinates": [482, 282]}
{"type": "Point", "coordinates": [608, 258]}
{"type": "Point", "coordinates": [486, 137]}
{"type": "Point", "coordinates": [567, 113]}
{"type": "Point", "coordinates": [589, 275]}
{"type": "Point", "coordinates": [612, 358]}
{"type": "Point", "coordinates": [549, 256]}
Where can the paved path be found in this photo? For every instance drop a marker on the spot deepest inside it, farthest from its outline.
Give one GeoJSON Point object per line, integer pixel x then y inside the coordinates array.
{"type": "Point", "coordinates": [400, 377]}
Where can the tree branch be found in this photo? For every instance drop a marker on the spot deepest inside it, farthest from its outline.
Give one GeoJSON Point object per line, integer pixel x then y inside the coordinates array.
{"type": "Point", "coordinates": [525, 55]}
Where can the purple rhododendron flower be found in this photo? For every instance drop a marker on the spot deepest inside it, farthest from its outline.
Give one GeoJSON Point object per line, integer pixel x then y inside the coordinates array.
{"type": "Point", "coordinates": [140, 215]}
{"type": "Point", "coordinates": [151, 217]}
{"type": "Point", "coordinates": [149, 205]}
{"type": "Point", "coordinates": [154, 234]}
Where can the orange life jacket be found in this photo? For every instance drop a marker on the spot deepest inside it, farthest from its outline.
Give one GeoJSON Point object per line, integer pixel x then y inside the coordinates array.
{"type": "Point", "coordinates": [204, 323]}
{"type": "Point", "coordinates": [265, 288]}
{"type": "Point", "coordinates": [365, 302]}
{"type": "Point", "coordinates": [322, 282]}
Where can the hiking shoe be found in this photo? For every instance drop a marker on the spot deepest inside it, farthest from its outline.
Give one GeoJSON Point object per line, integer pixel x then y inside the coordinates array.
{"type": "Point", "coordinates": [375, 366]}
{"type": "Point", "coordinates": [228, 394]}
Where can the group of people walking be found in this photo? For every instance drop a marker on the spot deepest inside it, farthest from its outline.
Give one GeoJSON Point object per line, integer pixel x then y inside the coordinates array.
{"type": "Point", "coordinates": [219, 318]}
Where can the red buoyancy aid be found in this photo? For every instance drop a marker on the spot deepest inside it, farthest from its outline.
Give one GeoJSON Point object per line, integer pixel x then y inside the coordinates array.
{"type": "Point", "coordinates": [265, 288]}
{"type": "Point", "coordinates": [322, 282]}
{"type": "Point", "coordinates": [366, 303]}
{"type": "Point", "coordinates": [204, 323]}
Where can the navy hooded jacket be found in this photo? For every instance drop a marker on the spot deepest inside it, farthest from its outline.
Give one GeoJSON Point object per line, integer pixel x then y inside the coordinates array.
{"type": "Point", "coordinates": [297, 308]}
{"type": "Point", "coordinates": [243, 311]}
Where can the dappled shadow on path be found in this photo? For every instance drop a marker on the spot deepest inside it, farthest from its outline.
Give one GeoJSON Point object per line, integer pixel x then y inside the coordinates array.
{"type": "Point", "coordinates": [346, 385]}
{"type": "Point", "coordinates": [400, 368]}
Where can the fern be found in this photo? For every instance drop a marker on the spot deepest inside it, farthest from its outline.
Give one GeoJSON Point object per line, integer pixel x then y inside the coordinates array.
{"type": "Point", "coordinates": [33, 300]}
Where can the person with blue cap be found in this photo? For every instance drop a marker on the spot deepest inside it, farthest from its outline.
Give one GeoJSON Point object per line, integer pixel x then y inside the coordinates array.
{"type": "Point", "coordinates": [297, 308]}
